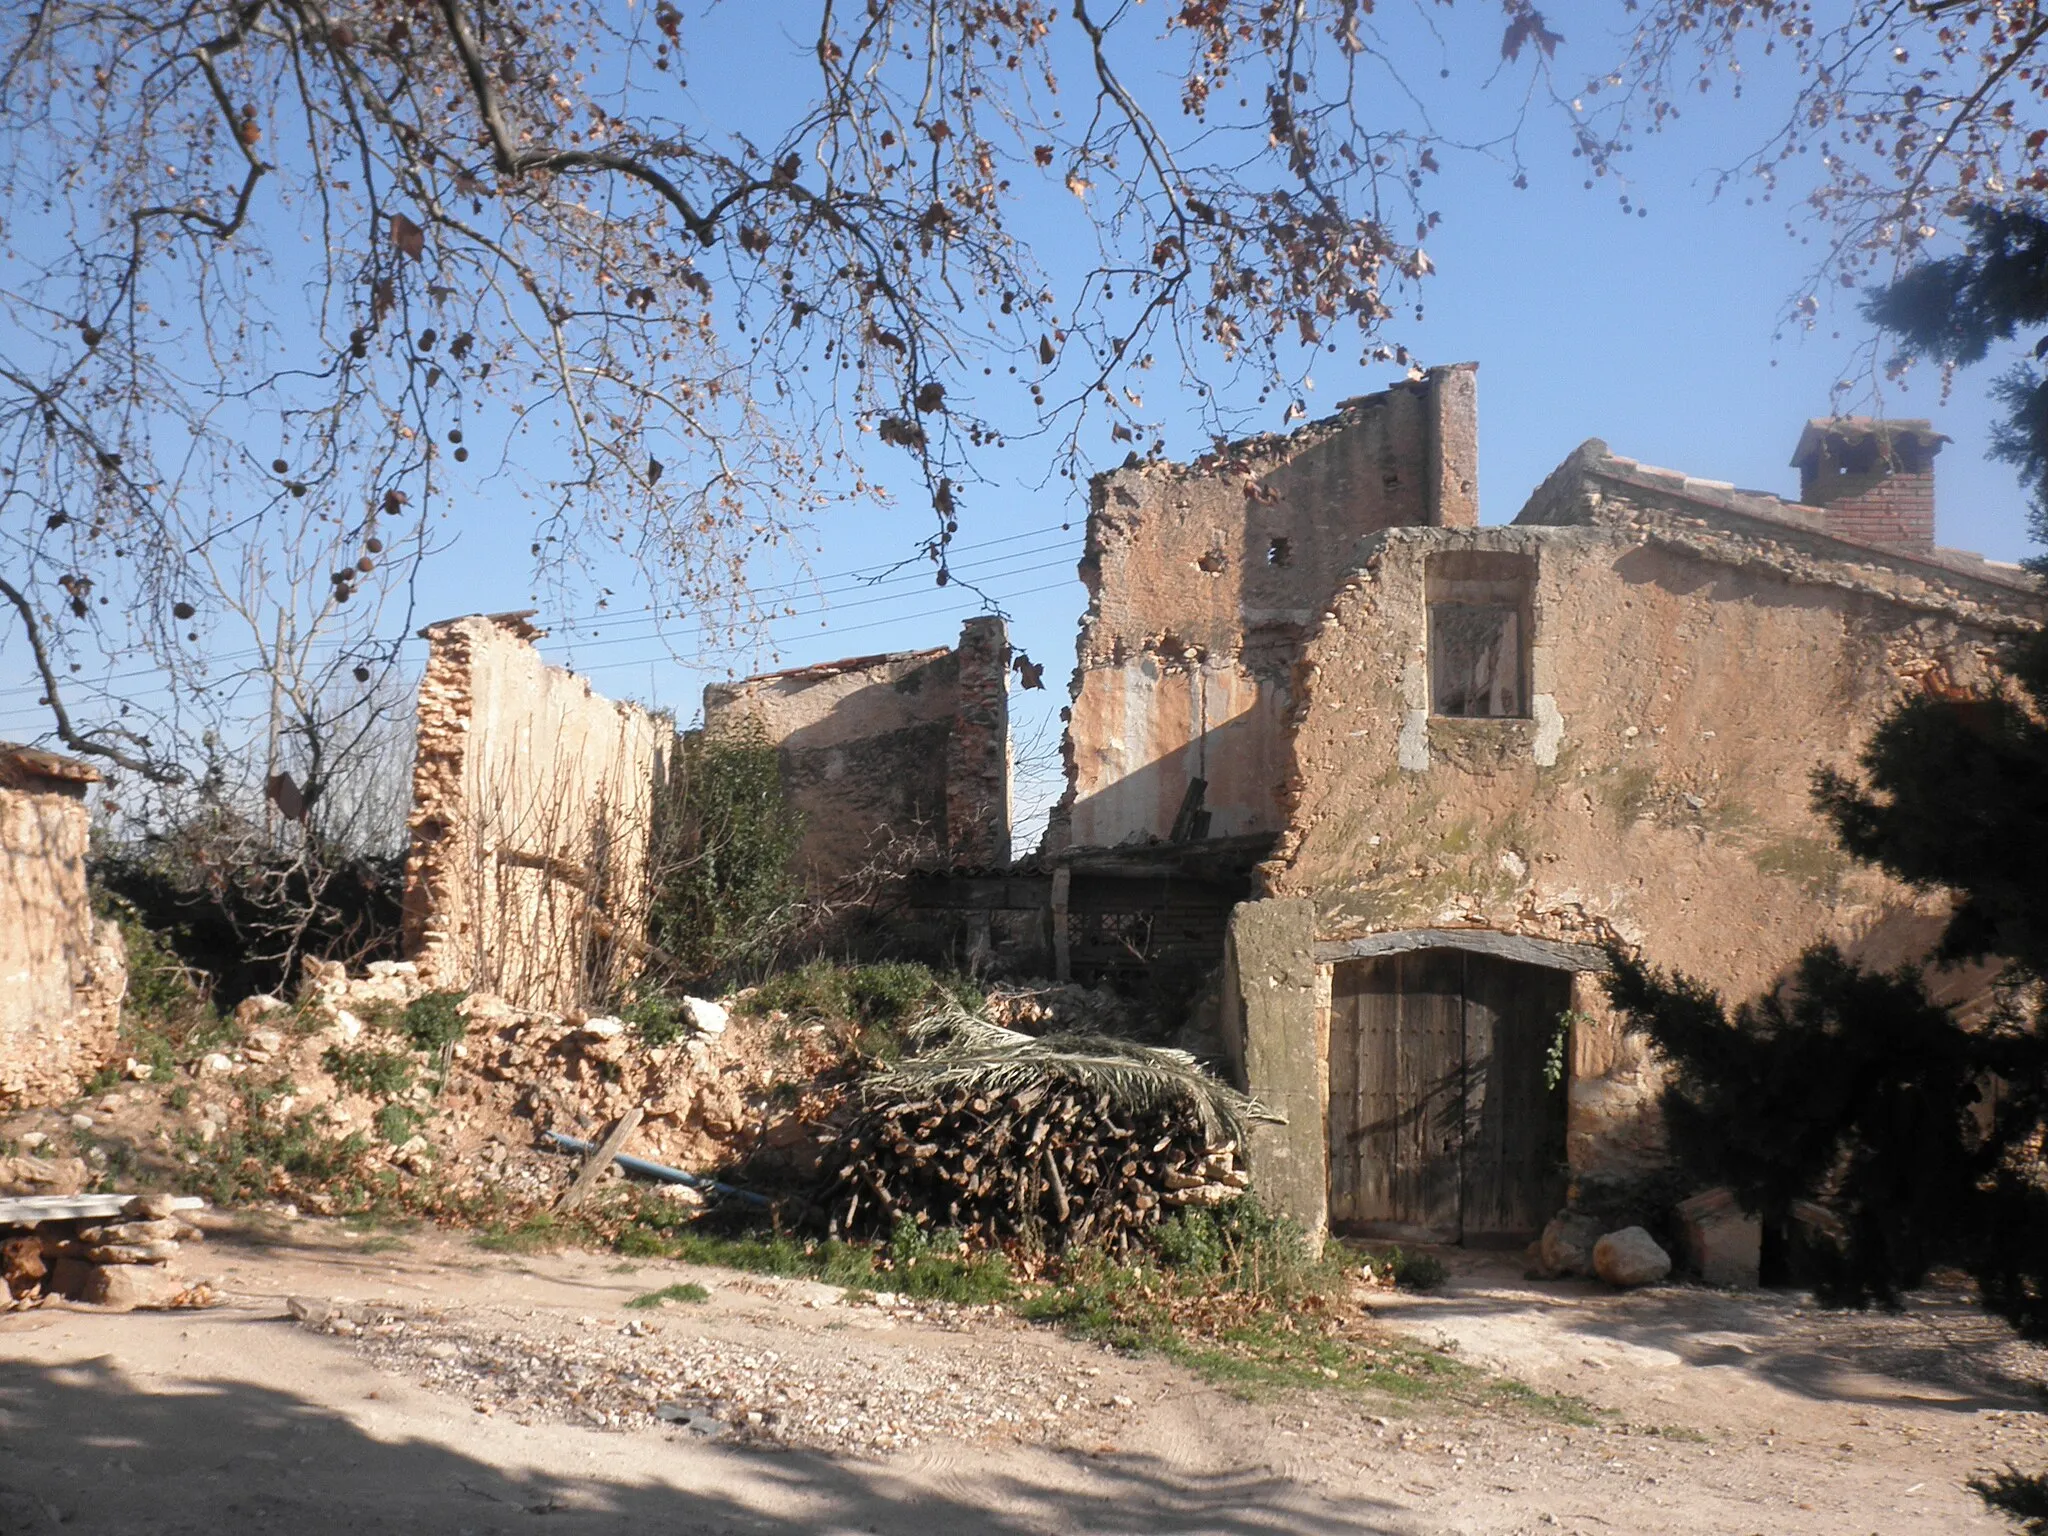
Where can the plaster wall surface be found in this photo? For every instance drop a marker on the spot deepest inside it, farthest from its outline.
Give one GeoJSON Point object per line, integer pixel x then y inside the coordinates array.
{"type": "Point", "coordinates": [532, 797]}
{"type": "Point", "coordinates": [1204, 579]}
{"type": "Point", "coordinates": [61, 971]}
{"type": "Point", "coordinates": [1684, 685]}
{"type": "Point", "coordinates": [1275, 1025]}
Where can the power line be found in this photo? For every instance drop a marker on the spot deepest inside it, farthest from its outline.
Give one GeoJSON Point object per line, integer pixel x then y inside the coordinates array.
{"type": "Point", "coordinates": [850, 629]}
{"type": "Point", "coordinates": [863, 578]}
{"type": "Point", "coordinates": [35, 713]}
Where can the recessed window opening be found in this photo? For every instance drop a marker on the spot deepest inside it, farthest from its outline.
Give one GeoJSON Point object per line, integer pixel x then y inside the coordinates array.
{"type": "Point", "coordinates": [1480, 611]}
{"type": "Point", "coordinates": [1279, 552]}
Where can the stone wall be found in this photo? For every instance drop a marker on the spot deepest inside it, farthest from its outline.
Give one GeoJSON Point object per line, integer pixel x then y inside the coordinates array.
{"type": "Point", "coordinates": [532, 797]}
{"type": "Point", "coordinates": [891, 760]}
{"type": "Point", "coordinates": [61, 972]}
{"type": "Point", "coordinates": [1203, 581]}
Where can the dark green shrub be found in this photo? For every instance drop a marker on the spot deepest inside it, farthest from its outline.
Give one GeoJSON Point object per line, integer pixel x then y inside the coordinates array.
{"type": "Point", "coordinates": [891, 992]}
{"type": "Point", "coordinates": [1243, 1246]}
{"type": "Point", "coordinates": [887, 993]}
{"type": "Point", "coordinates": [657, 1018]}
{"type": "Point", "coordinates": [431, 1022]}
{"type": "Point", "coordinates": [368, 1070]}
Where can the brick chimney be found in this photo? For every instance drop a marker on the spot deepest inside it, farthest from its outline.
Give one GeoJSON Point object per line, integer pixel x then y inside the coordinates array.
{"type": "Point", "coordinates": [1872, 480]}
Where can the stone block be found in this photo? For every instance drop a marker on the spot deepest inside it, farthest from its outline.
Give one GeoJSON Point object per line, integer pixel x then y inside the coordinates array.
{"type": "Point", "coordinates": [126, 1286]}
{"type": "Point", "coordinates": [1566, 1247]}
{"type": "Point", "coordinates": [1722, 1243]}
{"type": "Point", "coordinates": [706, 1017]}
{"type": "Point", "coordinates": [1630, 1257]}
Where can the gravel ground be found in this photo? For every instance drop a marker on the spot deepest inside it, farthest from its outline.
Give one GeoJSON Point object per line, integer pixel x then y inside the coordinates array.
{"type": "Point", "coordinates": [866, 1396]}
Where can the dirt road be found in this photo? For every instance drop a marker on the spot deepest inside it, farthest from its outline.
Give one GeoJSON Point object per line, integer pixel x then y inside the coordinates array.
{"type": "Point", "coordinates": [454, 1390]}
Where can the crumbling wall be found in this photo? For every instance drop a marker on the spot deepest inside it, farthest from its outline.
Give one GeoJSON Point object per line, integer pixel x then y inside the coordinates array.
{"type": "Point", "coordinates": [62, 973]}
{"type": "Point", "coordinates": [890, 760]}
{"type": "Point", "coordinates": [1684, 683]}
{"type": "Point", "coordinates": [1204, 579]}
{"type": "Point", "coordinates": [527, 875]}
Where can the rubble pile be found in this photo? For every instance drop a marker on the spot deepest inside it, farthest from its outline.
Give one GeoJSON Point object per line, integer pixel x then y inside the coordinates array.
{"type": "Point", "coordinates": [469, 1115]}
{"type": "Point", "coordinates": [110, 1250]}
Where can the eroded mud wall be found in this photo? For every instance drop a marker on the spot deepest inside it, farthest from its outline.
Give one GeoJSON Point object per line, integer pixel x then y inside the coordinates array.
{"type": "Point", "coordinates": [532, 797]}
{"type": "Point", "coordinates": [61, 972]}
{"type": "Point", "coordinates": [1204, 580]}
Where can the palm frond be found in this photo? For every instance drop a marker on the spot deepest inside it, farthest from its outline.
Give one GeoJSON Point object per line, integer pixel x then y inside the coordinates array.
{"type": "Point", "coordinates": [960, 1051]}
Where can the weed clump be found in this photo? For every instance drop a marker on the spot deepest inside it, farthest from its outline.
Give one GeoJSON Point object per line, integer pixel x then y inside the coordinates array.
{"type": "Point", "coordinates": [1409, 1271]}
{"type": "Point", "coordinates": [656, 1018]}
{"type": "Point", "coordinates": [167, 1015]}
{"type": "Point", "coordinates": [431, 1021]}
{"type": "Point", "coordinates": [687, 1291]}
{"type": "Point", "coordinates": [368, 1070]}
{"type": "Point", "coordinates": [396, 1123]}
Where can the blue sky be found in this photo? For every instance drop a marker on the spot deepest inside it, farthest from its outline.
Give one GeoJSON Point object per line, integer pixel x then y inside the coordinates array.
{"type": "Point", "coordinates": [1657, 334]}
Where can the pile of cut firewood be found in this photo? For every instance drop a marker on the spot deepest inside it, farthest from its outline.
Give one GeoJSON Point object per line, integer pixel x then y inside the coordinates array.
{"type": "Point", "coordinates": [1060, 1139]}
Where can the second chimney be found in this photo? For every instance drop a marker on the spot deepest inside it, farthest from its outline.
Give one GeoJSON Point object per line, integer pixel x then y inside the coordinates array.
{"type": "Point", "coordinates": [1873, 480]}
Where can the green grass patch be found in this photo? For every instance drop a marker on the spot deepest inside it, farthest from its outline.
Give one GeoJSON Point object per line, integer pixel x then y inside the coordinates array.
{"type": "Point", "coordinates": [540, 1232]}
{"type": "Point", "coordinates": [398, 1123]}
{"type": "Point", "coordinates": [929, 1266]}
{"type": "Point", "coordinates": [1565, 1408]}
{"type": "Point", "coordinates": [685, 1291]}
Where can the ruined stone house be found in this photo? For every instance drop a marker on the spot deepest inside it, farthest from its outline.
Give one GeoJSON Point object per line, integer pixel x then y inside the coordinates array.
{"type": "Point", "coordinates": [1387, 779]}
{"type": "Point", "coordinates": [889, 760]}
{"type": "Point", "coordinates": [535, 799]}
{"type": "Point", "coordinates": [1422, 771]}
{"type": "Point", "coordinates": [1509, 745]}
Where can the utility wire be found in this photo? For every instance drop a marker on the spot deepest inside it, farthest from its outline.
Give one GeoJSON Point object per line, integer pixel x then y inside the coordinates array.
{"type": "Point", "coordinates": [866, 578]}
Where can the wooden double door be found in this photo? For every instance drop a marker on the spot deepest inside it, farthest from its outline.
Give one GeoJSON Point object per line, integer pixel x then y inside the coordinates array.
{"type": "Point", "coordinates": [1442, 1127]}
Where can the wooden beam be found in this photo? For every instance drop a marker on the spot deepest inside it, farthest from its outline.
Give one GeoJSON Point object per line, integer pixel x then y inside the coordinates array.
{"type": "Point", "coordinates": [1478, 941]}
{"type": "Point", "coordinates": [613, 1143]}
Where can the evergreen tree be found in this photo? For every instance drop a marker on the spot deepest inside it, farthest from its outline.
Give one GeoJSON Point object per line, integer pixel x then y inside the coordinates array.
{"type": "Point", "coordinates": [1924, 1134]}
{"type": "Point", "coordinates": [1955, 310]}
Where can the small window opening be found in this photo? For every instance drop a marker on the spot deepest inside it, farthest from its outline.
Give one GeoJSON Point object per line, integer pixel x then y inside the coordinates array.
{"type": "Point", "coordinates": [1215, 562]}
{"type": "Point", "coordinates": [1479, 624]}
{"type": "Point", "coordinates": [1279, 552]}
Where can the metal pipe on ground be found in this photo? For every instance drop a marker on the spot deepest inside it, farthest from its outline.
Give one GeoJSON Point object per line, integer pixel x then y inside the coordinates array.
{"type": "Point", "coordinates": [663, 1172]}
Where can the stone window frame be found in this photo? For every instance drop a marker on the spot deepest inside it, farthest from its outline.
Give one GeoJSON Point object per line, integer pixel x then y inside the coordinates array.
{"type": "Point", "coordinates": [1480, 581]}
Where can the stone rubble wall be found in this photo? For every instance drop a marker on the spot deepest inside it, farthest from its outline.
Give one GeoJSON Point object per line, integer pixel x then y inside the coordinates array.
{"type": "Point", "coordinates": [62, 972]}
{"type": "Point", "coordinates": [532, 797]}
{"type": "Point", "coordinates": [1204, 580]}
{"type": "Point", "coordinates": [890, 760]}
